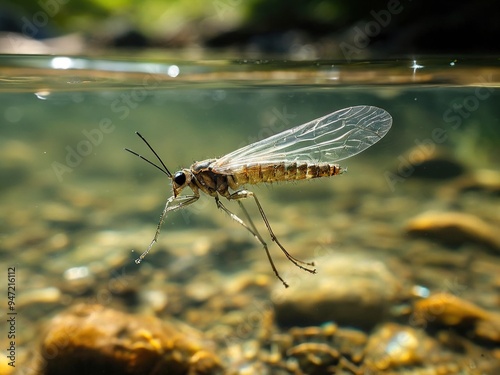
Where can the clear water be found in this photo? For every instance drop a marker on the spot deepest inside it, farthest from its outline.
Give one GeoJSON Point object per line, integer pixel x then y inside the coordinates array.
{"type": "Point", "coordinates": [77, 209]}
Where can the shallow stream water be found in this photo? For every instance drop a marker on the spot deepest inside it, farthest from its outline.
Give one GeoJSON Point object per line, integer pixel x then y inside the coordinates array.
{"type": "Point", "coordinates": [416, 215]}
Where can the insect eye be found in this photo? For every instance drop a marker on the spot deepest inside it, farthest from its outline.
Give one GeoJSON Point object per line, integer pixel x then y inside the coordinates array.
{"type": "Point", "coordinates": [180, 178]}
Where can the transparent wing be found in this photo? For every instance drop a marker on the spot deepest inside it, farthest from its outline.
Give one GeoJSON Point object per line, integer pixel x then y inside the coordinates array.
{"type": "Point", "coordinates": [331, 138]}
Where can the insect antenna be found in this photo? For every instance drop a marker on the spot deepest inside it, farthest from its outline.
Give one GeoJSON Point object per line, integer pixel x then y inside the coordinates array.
{"type": "Point", "coordinates": [165, 170]}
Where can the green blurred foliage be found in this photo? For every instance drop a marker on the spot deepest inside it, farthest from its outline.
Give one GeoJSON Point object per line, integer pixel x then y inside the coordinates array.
{"type": "Point", "coordinates": [84, 16]}
{"type": "Point", "coordinates": [155, 16]}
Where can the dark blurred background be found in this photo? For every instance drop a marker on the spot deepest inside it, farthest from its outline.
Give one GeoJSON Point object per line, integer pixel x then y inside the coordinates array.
{"type": "Point", "coordinates": [288, 28]}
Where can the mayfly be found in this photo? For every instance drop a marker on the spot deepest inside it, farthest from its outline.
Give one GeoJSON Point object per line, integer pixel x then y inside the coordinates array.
{"type": "Point", "coordinates": [306, 151]}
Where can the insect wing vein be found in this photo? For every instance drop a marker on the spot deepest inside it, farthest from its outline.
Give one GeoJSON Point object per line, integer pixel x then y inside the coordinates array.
{"type": "Point", "coordinates": [331, 138]}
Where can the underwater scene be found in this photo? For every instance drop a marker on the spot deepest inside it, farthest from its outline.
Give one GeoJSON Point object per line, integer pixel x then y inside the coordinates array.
{"type": "Point", "coordinates": [387, 263]}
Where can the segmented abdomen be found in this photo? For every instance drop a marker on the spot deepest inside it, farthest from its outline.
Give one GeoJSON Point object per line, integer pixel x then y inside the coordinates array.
{"type": "Point", "coordinates": [257, 173]}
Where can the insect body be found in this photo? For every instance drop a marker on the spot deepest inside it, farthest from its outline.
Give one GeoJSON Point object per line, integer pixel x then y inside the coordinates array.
{"type": "Point", "coordinates": [307, 151]}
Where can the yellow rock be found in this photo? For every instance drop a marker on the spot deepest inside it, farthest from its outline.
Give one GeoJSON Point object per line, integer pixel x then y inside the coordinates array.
{"type": "Point", "coordinates": [451, 310]}
{"type": "Point", "coordinates": [5, 369]}
{"type": "Point", "coordinates": [454, 228]}
{"type": "Point", "coordinates": [92, 339]}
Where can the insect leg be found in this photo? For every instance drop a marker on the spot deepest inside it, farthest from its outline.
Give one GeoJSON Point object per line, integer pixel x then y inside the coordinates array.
{"type": "Point", "coordinates": [249, 219]}
{"type": "Point", "coordinates": [299, 263]}
{"type": "Point", "coordinates": [172, 204]}
{"type": "Point", "coordinates": [255, 233]}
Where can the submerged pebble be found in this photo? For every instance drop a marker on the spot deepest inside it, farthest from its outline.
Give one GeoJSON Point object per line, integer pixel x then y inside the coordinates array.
{"type": "Point", "coordinates": [60, 214]}
{"type": "Point", "coordinates": [392, 345]}
{"type": "Point", "coordinates": [93, 339]}
{"type": "Point", "coordinates": [454, 228]}
{"type": "Point", "coordinates": [437, 165]}
{"type": "Point", "coordinates": [450, 310]}
{"type": "Point", "coordinates": [77, 280]}
{"type": "Point", "coordinates": [49, 295]}
{"type": "Point", "coordinates": [483, 180]}
{"type": "Point", "coordinates": [353, 290]}
{"type": "Point", "coordinates": [16, 159]}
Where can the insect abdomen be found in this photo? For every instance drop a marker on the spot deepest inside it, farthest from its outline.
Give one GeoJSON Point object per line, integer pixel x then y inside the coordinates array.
{"type": "Point", "coordinates": [301, 171]}
{"type": "Point", "coordinates": [257, 173]}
